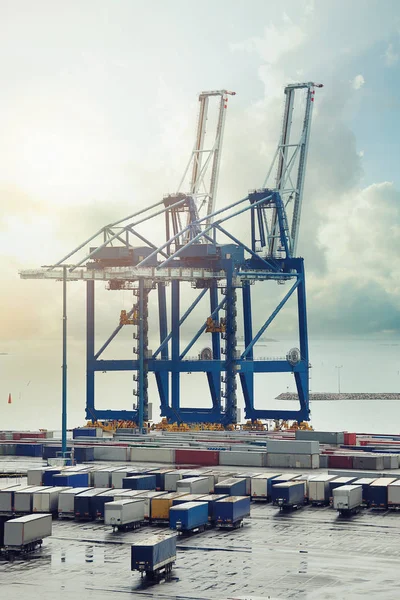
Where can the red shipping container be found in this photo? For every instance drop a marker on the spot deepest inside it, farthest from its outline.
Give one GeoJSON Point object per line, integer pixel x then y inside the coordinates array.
{"type": "Point", "coordinates": [340, 461]}
{"type": "Point", "coordinates": [32, 435]}
{"type": "Point", "coordinates": [350, 439]}
{"type": "Point", "coordinates": [205, 458]}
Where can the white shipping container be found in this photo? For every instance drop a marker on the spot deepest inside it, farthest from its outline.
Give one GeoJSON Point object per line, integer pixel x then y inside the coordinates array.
{"type": "Point", "coordinates": [373, 462]}
{"type": "Point", "coordinates": [293, 447]}
{"type": "Point", "coordinates": [347, 497]}
{"type": "Point", "coordinates": [194, 485]}
{"type": "Point", "coordinates": [171, 479]}
{"type": "Point", "coordinates": [323, 437]}
{"type": "Point", "coordinates": [118, 475]}
{"type": "Point", "coordinates": [117, 491]}
{"type": "Point", "coordinates": [102, 477]}
{"type": "Point", "coordinates": [154, 455]}
{"type": "Point", "coordinates": [247, 477]}
{"type": "Point", "coordinates": [26, 530]}
{"type": "Point", "coordinates": [123, 512]}
{"type": "Point", "coordinates": [147, 497]}
{"type": "Point", "coordinates": [394, 493]}
{"type": "Point", "coordinates": [323, 461]}
{"type": "Point", "coordinates": [128, 494]}
{"type": "Point", "coordinates": [23, 499]}
{"type": "Point", "coordinates": [46, 500]}
{"type": "Point", "coordinates": [111, 453]}
{"type": "Point", "coordinates": [318, 488]}
{"type": "Point", "coordinates": [293, 461]}
{"type": "Point", "coordinates": [222, 475]}
{"type": "Point", "coordinates": [391, 461]}
{"type": "Point", "coordinates": [204, 475]}
{"type": "Point", "coordinates": [259, 486]}
{"type": "Point", "coordinates": [7, 497]}
{"type": "Point", "coordinates": [35, 476]}
{"type": "Point", "coordinates": [214, 474]}
{"type": "Point", "coordinates": [243, 459]}
{"type": "Point", "coordinates": [305, 479]}
{"type": "Point", "coordinates": [91, 477]}
{"type": "Point", "coordinates": [66, 501]}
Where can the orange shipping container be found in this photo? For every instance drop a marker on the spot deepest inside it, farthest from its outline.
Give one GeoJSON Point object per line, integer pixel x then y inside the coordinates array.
{"type": "Point", "coordinates": [160, 506]}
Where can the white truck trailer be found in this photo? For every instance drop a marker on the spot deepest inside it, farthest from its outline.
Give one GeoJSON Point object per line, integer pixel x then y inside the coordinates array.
{"type": "Point", "coordinates": [124, 514]}
{"type": "Point", "coordinates": [347, 499]}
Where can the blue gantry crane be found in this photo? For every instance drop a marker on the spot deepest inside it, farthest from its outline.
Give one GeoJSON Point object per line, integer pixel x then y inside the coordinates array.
{"type": "Point", "coordinates": [202, 251]}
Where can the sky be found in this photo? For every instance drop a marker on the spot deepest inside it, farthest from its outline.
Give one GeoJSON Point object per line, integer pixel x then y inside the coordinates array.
{"type": "Point", "coordinates": [98, 108]}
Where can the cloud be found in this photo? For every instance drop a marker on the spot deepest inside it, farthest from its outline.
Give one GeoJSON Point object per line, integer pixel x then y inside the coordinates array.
{"type": "Point", "coordinates": [277, 41]}
{"type": "Point", "coordinates": [391, 57]}
{"type": "Point", "coordinates": [83, 168]}
{"type": "Point", "coordinates": [358, 82]}
{"type": "Point", "coordinates": [347, 231]}
{"type": "Point", "coordinates": [359, 291]}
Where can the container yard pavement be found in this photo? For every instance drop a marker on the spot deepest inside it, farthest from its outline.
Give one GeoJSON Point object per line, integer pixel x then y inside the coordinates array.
{"type": "Point", "coordinates": [308, 554]}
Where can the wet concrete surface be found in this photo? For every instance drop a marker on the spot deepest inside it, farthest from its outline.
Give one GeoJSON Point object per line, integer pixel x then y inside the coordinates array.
{"type": "Point", "coordinates": [308, 554]}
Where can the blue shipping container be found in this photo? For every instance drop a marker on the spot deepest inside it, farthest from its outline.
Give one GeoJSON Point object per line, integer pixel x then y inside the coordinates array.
{"type": "Point", "coordinates": [188, 498]}
{"type": "Point", "coordinates": [98, 502]}
{"type": "Point", "coordinates": [279, 479]}
{"type": "Point", "coordinates": [47, 478]}
{"type": "Point", "coordinates": [83, 454]}
{"type": "Point", "coordinates": [377, 492]}
{"type": "Point", "coordinates": [28, 449]}
{"type": "Point", "coordinates": [365, 483]}
{"type": "Point", "coordinates": [290, 493]}
{"type": "Point", "coordinates": [84, 432]}
{"type": "Point", "coordinates": [137, 471]}
{"type": "Point", "coordinates": [231, 510]}
{"type": "Point", "coordinates": [53, 451]}
{"type": "Point", "coordinates": [153, 553]}
{"type": "Point", "coordinates": [71, 479]}
{"type": "Point", "coordinates": [160, 479]}
{"type": "Point", "coordinates": [247, 477]}
{"type": "Point", "coordinates": [188, 516]}
{"type": "Point", "coordinates": [338, 482]}
{"type": "Point", "coordinates": [83, 503]}
{"type": "Point", "coordinates": [139, 482]}
{"type": "Point", "coordinates": [231, 487]}
{"type": "Point", "coordinates": [211, 499]}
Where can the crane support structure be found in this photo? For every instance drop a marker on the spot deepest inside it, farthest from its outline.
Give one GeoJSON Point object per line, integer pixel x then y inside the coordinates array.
{"type": "Point", "coordinates": [206, 255]}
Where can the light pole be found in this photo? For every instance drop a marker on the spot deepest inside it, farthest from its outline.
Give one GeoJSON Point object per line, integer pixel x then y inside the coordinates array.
{"type": "Point", "coordinates": [338, 367]}
{"type": "Point", "coordinates": [64, 368]}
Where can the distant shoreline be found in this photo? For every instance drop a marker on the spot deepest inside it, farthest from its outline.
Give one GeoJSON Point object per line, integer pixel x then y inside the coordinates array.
{"type": "Point", "coordinates": [328, 397]}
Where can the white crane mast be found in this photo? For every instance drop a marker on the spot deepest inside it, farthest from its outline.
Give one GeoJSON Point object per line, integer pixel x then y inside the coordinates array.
{"type": "Point", "coordinates": [291, 157]}
{"type": "Point", "coordinates": [204, 163]}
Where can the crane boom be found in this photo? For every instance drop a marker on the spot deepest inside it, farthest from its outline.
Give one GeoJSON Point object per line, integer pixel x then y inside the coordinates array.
{"type": "Point", "coordinates": [291, 158]}
{"type": "Point", "coordinates": [204, 163]}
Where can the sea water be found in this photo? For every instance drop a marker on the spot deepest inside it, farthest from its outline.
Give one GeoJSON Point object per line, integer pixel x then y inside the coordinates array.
{"type": "Point", "coordinates": [32, 374]}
